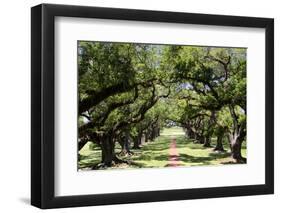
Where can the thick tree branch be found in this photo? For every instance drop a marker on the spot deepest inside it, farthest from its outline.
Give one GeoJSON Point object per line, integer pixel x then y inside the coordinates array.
{"type": "Point", "coordinates": [102, 118]}
{"type": "Point", "coordinates": [223, 63]}
{"type": "Point", "coordinates": [95, 97]}
{"type": "Point", "coordinates": [139, 116]}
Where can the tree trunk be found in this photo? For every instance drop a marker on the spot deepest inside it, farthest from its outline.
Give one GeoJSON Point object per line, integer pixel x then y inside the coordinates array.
{"type": "Point", "coordinates": [199, 138]}
{"type": "Point", "coordinates": [235, 147]}
{"type": "Point", "coordinates": [142, 139]}
{"type": "Point", "coordinates": [153, 133]}
{"type": "Point", "coordinates": [146, 136]}
{"type": "Point", "coordinates": [137, 141]}
{"type": "Point", "coordinates": [207, 142]}
{"type": "Point", "coordinates": [109, 157]}
{"type": "Point", "coordinates": [210, 130]}
{"type": "Point", "coordinates": [125, 147]}
{"type": "Point", "coordinates": [108, 153]}
{"type": "Point", "coordinates": [189, 132]}
{"type": "Point", "coordinates": [81, 144]}
{"type": "Point", "coordinates": [192, 134]}
{"type": "Point", "coordinates": [219, 146]}
{"type": "Point", "coordinates": [236, 137]}
{"type": "Point", "coordinates": [125, 144]}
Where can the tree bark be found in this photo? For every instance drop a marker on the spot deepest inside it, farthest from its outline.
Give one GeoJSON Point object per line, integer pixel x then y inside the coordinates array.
{"type": "Point", "coordinates": [152, 134]}
{"type": "Point", "coordinates": [235, 147]}
{"type": "Point", "coordinates": [137, 141]}
{"type": "Point", "coordinates": [125, 144]}
{"type": "Point", "coordinates": [109, 157]}
{"type": "Point", "coordinates": [236, 137]}
{"type": "Point", "coordinates": [219, 146]}
{"type": "Point", "coordinates": [108, 150]}
{"type": "Point", "coordinates": [210, 130]}
{"type": "Point", "coordinates": [189, 132]}
{"type": "Point", "coordinates": [142, 139]}
{"type": "Point", "coordinates": [220, 130]}
{"type": "Point", "coordinates": [81, 144]}
{"type": "Point", "coordinates": [146, 136]}
{"type": "Point", "coordinates": [207, 141]}
{"type": "Point", "coordinates": [95, 97]}
{"type": "Point", "coordinates": [199, 138]}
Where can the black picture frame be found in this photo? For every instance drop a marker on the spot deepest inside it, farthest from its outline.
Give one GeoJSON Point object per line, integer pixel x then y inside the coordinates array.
{"type": "Point", "coordinates": [43, 117]}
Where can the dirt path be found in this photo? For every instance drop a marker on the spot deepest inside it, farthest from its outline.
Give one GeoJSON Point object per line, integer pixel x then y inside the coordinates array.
{"type": "Point", "coordinates": [173, 154]}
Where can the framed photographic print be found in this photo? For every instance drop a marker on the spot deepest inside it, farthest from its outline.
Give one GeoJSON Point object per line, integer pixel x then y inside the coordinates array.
{"type": "Point", "coordinates": [140, 106]}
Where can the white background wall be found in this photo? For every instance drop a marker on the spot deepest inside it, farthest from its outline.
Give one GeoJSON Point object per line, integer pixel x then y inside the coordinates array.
{"type": "Point", "coordinates": [15, 105]}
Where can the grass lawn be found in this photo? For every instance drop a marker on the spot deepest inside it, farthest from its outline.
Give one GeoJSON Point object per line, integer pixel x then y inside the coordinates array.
{"type": "Point", "coordinates": [155, 154]}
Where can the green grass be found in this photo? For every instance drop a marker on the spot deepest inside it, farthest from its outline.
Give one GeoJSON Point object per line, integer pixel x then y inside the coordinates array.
{"type": "Point", "coordinates": [173, 131]}
{"type": "Point", "coordinates": [155, 154]}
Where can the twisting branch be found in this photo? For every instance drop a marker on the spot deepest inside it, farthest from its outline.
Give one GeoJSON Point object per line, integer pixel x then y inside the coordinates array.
{"type": "Point", "coordinates": [234, 117]}
{"type": "Point", "coordinates": [223, 63]}
{"type": "Point", "coordinates": [139, 116]}
{"type": "Point", "coordinates": [103, 117]}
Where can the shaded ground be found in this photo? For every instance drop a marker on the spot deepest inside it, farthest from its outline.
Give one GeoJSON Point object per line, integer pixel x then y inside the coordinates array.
{"type": "Point", "coordinates": [158, 153]}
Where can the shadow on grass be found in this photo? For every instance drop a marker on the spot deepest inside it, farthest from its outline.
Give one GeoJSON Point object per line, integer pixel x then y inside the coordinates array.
{"type": "Point", "coordinates": [161, 157]}
{"type": "Point", "coordinates": [156, 145]}
{"type": "Point", "coordinates": [90, 163]}
{"type": "Point", "coordinates": [89, 160]}
{"type": "Point", "coordinates": [234, 162]}
{"type": "Point", "coordinates": [192, 159]}
{"type": "Point", "coordinates": [156, 151]}
{"type": "Point", "coordinates": [192, 144]}
{"type": "Point", "coordinates": [218, 155]}
{"type": "Point", "coordinates": [144, 157]}
{"type": "Point", "coordinates": [202, 160]}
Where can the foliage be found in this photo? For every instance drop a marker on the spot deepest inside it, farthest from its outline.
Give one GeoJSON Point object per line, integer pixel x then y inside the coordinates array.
{"type": "Point", "coordinates": [140, 88]}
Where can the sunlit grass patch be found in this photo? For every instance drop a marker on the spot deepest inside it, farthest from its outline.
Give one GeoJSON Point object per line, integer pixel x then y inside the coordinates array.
{"type": "Point", "coordinates": [155, 154]}
{"type": "Point", "coordinates": [173, 131]}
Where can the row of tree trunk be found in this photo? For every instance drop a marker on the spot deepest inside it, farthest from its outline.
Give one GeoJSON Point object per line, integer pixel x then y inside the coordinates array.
{"type": "Point", "coordinates": [203, 135]}
{"type": "Point", "coordinates": [125, 139]}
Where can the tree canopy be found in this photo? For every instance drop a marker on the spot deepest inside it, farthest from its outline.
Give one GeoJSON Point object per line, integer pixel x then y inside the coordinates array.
{"type": "Point", "coordinates": [129, 90]}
